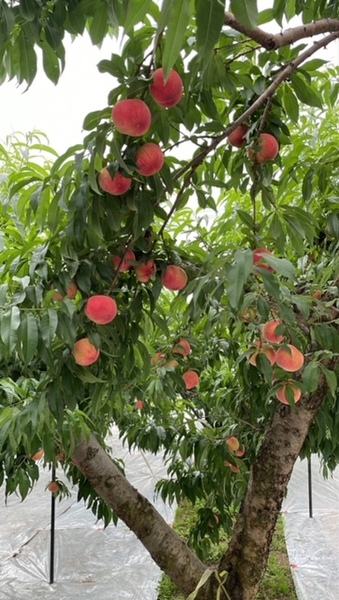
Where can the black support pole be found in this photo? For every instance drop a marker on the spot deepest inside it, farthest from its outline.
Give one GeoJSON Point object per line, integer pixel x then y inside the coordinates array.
{"type": "Point", "coordinates": [52, 536]}
{"type": "Point", "coordinates": [310, 505]}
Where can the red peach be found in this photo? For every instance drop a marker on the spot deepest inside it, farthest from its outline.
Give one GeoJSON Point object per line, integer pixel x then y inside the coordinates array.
{"type": "Point", "coordinates": [265, 349]}
{"type": "Point", "coordinates": [240, 452]}
{"type": "Point", "coordinates": [101, 309]}
{"type": "Point", "coordinates": [290, 358]}
{"type": "Point", "coordinates": [282, 392]}
{"type": "Point", "coordinates": [268, 148]}
{"type": "Point", "coordinates": [258, 253]}
{"type": "Point", "coordinates": [149, 159]}
{"type": "Point", "coordinates": [85, 353]}
{"type": "Point", "coordinates": [174, 278]}
{"type": "Point", "coordinates": [139, 404]}
{"type": "Point", "coordinates": [182, 347]}
{"type": "Point", "coordinates": [38, 455]}
{"type": "Point", "coordinates": [116, 185]}
{"type": "Point", "coordinates": [171, 364]}
{"type": "Point", "coordinates": [233, 444]}
{"type": "Point", "coordinates": [145, 270]}
{"type": "Point", "coordinates": [71, 292]}
{"type": "Point", "coordinates": [53, 487]}
{"type": "Point", "coordinates": [166, 93]}
{"type": "Point", "coordinates": [123, 263]}
{"type": "Point", "coordinates": [158, 360]}
{"type": "Point", "coordinates": [268, 332]}
{"type": "Point", "coordinates": [191, 379]}
{"type": "Point", "coordinates": [132, 117]}
{"type": "Point", "coordinates": [237, 137]}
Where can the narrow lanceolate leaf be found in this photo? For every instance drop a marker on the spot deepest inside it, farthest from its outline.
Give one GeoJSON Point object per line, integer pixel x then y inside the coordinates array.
{"type": "Point", "coordinates": [9, 324]}
{"type": "Point", "coordinates": [137, 9]}
{"type": "Point", "coordinates": [28, 336]}
{"type": "Point", "coordinates": [246, 12]}
{"type": "Point", "coordinates": [209, 19]}
{"type": "Point", "coordinates": [48, 325]}
{"type": "Point", "coordinates": [237, 277]}
{"type": "Point", "coordinates": [175, 32]}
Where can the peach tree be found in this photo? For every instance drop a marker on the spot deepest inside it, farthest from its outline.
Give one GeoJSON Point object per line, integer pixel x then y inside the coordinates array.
{"type": "Point", "coordinates": [175, 274]}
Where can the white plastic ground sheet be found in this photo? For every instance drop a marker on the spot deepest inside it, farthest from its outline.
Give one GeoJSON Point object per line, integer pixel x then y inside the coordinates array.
{"type": "Point", "coordinates": [313, 543]}
{"type": "Point", "coordinates": [90, 561]}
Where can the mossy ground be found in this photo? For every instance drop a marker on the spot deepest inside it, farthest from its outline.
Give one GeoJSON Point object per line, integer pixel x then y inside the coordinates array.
{"type": "Point", "coordinates": [277, 583]}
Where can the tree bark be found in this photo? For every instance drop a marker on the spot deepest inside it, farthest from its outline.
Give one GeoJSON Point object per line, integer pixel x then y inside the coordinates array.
{"type": "Point", "coordinates": [271, 41]}
{"type": "Point", "coordinates": [167, 549]}
{"type": "Point", "coordinates": [247, 555]}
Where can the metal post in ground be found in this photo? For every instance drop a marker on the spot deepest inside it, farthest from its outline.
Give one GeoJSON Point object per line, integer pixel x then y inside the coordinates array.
{"type": "Point", "coordinates": [52, 536]}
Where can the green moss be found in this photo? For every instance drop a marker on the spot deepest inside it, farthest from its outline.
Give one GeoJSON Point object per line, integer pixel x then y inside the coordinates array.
{"type": "Point", "coordinates": [277, 583]}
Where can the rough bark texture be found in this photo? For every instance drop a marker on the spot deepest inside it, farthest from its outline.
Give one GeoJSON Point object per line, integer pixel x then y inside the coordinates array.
{"type": "Point", "coordinates": [167, 549]}
{"type": "Point", "coordinates": [247, 555]}
{"type": "Point", "coordinates": [271, 41]}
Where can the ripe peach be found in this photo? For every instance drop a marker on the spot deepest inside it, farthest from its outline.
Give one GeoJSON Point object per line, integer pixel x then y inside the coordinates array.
{"type": "Point", "coordinates": [101, 309]}
{"type": "Point", "coordinates": [290, 358]}
{"type": "Point", "coordinates": [237, 137]}
{"type": "Point", "coordinates": [149, 159]}
{"type": "Point", "coordinates": [191, 379]}
{"type": "Point", "coordinates": [166, 93]}
{"type": "Point", "coordinates": [85, 353]}
{"type": "Point", "coordinates": [38, 455]}
{"type": "Point", "coordinates": [257, 259]}
{"type": "Point", "coordinates": [139, 404]}
{"type": "Point", "coordinates": [116, 185]}
{"type": "Point", "coordinates": [53, 487]}
{"type": "Point", "coordinates": [123, 263]}
{"type": "Point", "coordinates": [318, 295]}
{"type": "Point", "coordinates": [132, 117]}
{"type": "Point", "coordinates": [240, 452]}
{"type": "Point", "coordinates": [174, 278]}
{"type": "Point", "coordinates": [282, 392]}
{"type": "Point", "coordinates": [158, 360]}
{"type": "Point", "coordinates": [265, 349]}
{"type": "Point", "coordinates": [233, 444]}
{"type": "Point", "coordinates": [145, 270]}
{"type": "Point", "coordinates": [71, 292]}
{"type": "Point", "coordinates": [268, 148]}
{"type": "Point", "coordinates": [268, 332]}
{"type": "Point", "coordinates": [182, 347]}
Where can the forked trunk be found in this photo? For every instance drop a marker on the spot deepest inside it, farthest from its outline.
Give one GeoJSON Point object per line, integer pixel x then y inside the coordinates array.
{"type": "Point", "coordinates": [246, 558]}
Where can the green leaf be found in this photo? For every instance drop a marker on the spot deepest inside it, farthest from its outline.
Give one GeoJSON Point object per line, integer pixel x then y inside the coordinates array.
{"type": "Point", "coordinates": [48, 326]}
{"type": "Point", "coordinates": [99, 25]}
{"type": "Point", "coordinates": [281, 265]}
{"type": "Point", "coordinates": [50, 63]}
{"type": "Point", "coordinates": [310, 376]}
{"type": "Point", "coordinates": [306, 94]}
{"type": "Point", "coordinates": [136, 12]}
{"type": "Point", "coordinates": [237, 277]}
{"type": "Point", "coordinates": [290, 103]}
{"type": "Point", "coordinates": [331, 380]}
{"type": "Point", "coordinates": [28, 336]}
{"type": "Point", "coordinates": [28, 60]}
{"type": "Point", "coordinates": [28, 9]}
{"type": "Point", "coordinates": [9, 325]}
{"type": "Point", "coordinates": [209, 19]}
{"type": "Point", "coordinates": [179, 17]}
{"type": "Point", "coordinates": [246, 12]}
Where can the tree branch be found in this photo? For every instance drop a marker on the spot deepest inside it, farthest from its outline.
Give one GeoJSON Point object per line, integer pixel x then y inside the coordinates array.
{"type": "Point", "coordinates": [167, 549]}
{"type": "Point", "coordinates": [192, 165]}
{"type": "Point", "coordinates": [284, 38]}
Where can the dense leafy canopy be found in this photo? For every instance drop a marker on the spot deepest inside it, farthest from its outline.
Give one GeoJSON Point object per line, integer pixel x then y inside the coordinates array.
{"type": "Point", "coordinates": [207, 210]}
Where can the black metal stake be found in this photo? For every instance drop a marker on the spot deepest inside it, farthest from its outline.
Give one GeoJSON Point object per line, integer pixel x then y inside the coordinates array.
{"type": "Point", "coordinates": [310, 506]}
{"type": "Point", "coordinates": [52, 536]}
